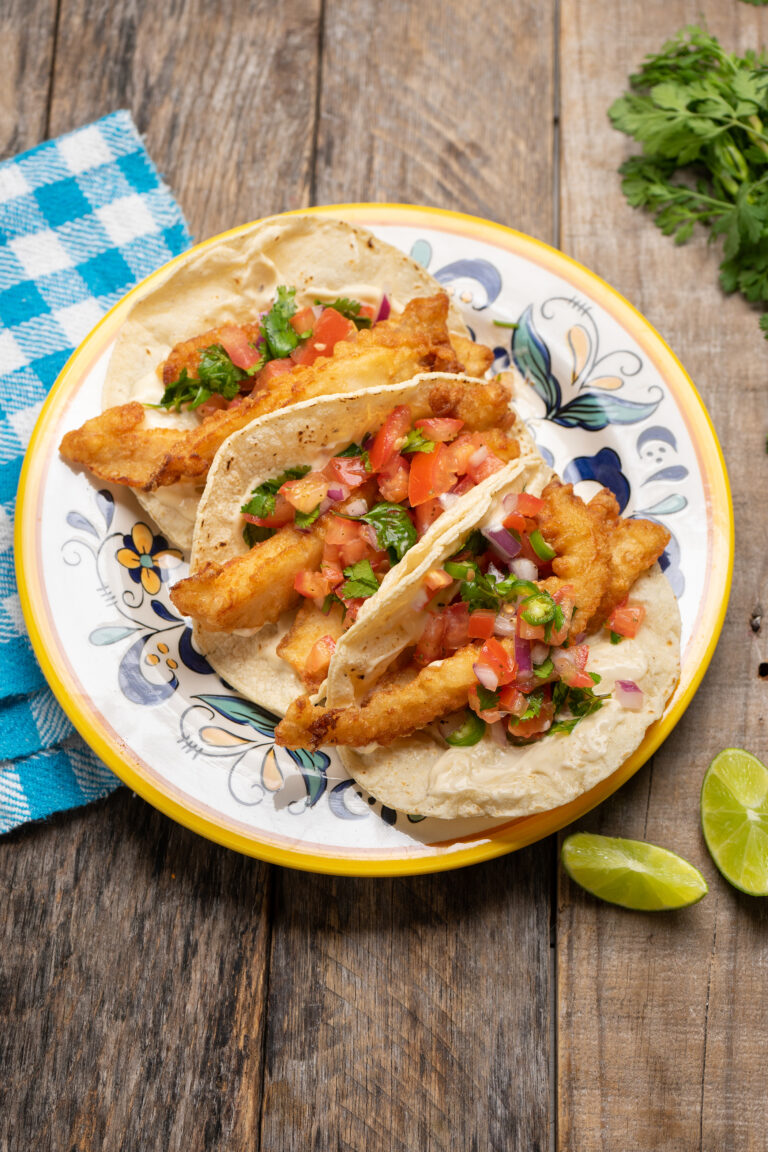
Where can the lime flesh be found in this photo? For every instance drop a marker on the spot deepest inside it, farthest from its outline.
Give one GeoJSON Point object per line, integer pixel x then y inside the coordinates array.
{"type": "Point", "coordinates": [734, 819]}
{"type": "Point", "coordinates": [631, 873]}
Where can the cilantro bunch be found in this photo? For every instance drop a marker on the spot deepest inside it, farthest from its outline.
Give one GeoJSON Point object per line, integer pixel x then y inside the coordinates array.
{"type": "Point", "coordinates": [701, 115]}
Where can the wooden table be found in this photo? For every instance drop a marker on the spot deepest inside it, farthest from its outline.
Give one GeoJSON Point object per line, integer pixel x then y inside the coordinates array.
{"type": "Point", "coordinates": [160, 992]}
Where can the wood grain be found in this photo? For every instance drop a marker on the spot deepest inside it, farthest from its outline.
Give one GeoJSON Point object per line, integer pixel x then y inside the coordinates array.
{"type": "Point", "coordinates": [27, 31]}
{"type": "Point", "coordinates": [662, 1019]}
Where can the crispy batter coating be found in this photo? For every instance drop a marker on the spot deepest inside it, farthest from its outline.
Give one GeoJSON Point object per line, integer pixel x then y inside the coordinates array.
{"type": "Point", "coordinates": [480, 407]}
{"type": "Point", "coordinates": [187, 354]}
{"type": "Point", "coordinates": [389, 712]}
{"type": "Point", "coordinates": [475, 358]}
{"type": "Point", "coordinates": [598, 553]}
{"type": "Point", "coordinates": [310, 625]}
{"type": "Point", "coordinates": [115, 446]}
{"type": "Point", "coordinates": [250, 590]}
{"type": "Point", "coordinates": [389, 353]}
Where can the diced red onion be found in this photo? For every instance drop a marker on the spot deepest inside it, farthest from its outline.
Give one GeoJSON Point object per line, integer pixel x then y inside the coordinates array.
{"type": "Point", "coordinates": [370, 534]}
{"type": "Point", "coordinates": [509, 503]}
{"type": "Point", "coordinates": [317, 309]}
{"type": "Point", "coordinates": [338, 492]}
{"type": "Point", "coordinates": [356, 508]}
{"type": "Point", "coordinates": [524, 569]}
{"type": "Point", "coordinates": [578, 639]}
{"type": "Point", "coordinates": [448, 499]}
{"type": "Point", "coordinates": [539, 652]}
{"type": "Point", "coordinates": [629, 695]}
{"type": "Point", "coordinates": [384, 309]}
{"type": "Point", "coordinates": [523, 655]}
{"type": "Point", "coordinates": [499, 733]}
{"type": "Point", "coordinates": [503, 541]}
{"type": "Point", "coordinates": [486, 676]}
{"type": "Point", "coordinates": [477, 458]}
{"type": "Point", "coordinates": [325, 505]}
{"type": "Point", "coordinates": [505, 625]}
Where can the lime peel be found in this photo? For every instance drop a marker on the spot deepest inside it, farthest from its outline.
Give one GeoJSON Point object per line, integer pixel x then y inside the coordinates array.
{"type": "Point", "coordinates": [734, 819]}
{"type": "Point", "coordinates": [631, 873]}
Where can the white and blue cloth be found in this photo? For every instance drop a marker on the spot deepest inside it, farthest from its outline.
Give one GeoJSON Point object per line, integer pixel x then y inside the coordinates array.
{"type": "Point", "coordinates": [82, 219]}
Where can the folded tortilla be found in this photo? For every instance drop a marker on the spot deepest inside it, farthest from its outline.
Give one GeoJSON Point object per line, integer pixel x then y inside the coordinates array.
{"type": "Point", "coordinates": [423, 775]}
{"type": "Point", "coordinates": [232, 281]}
{"type": "Point", "coordinates": [310, 433]}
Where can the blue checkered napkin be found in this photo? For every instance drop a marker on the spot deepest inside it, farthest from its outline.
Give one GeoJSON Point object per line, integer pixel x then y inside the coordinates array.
{"type": "Point", "coordinates": [82, 219]}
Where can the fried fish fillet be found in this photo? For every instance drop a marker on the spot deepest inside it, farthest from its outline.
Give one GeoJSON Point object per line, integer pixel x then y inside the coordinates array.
{"type": "Point", "coordinates": [599, 554]}
{"type": "Point", "coordinates": [118, 447]}
{"type": "Point", "coordinates": [389, 712]}
{"type": "Point", "coordinates": [310, 625]}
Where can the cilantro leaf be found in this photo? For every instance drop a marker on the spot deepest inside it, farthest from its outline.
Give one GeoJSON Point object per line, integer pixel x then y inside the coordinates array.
{"type": "Point", "coordinates": [361, 581]}
{"type": "Point", "coordinates": [350, 310]}
{"type": "Point", "coordinates": [616, 638]}
{"type": "Point", "coordinates": [579, 702]}
{"type": "Point", "coordinates": [256, 533]}
{"type": "Point", "coordinates": [356, 450]}
{"type": "Point", "coordinates": [215, 374]}
{"type": "Point", "coordinates": [276, 328]}
{"type": "Point", "coordinates": [416, 441]}
{"type": "Point", "coordinates": [262, 500]}
{"type": "Point", "coordinates": [394, 529]}
{"type": "Point", "coordinates": [304, 519]}
{"type": "Point", "coordinates": [486, 698]}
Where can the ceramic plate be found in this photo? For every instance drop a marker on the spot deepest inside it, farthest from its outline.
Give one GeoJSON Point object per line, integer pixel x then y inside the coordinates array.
{"type": "Point", "coordinates": [608, 403]}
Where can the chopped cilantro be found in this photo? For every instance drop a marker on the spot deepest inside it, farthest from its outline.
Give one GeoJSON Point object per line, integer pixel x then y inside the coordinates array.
{"type": "Point", "coordinates": [215, 374]}
{"type": "Point", "coordinates": [394, 529]}
{"type": "Point", "coordinates": [329, 602]}
{"type": "Point", "coordinates": [262, 501]}
{"type": "Point", "coordinates": [580, 702]}
{"type": "Point", "coordinates": [304, 519]}
{"type": "Point", "coordinates": [542, 671]}
{"type": "Point", "coordinates": [356, 450]}
{"type": "Point", "coordinates": [535, 701]}
{"type": "Point", "coordinates": [361, 581]}
{"type": "Point", "coordinates": [486, 698]}
{"type": "Point", "coordinates": [615, 638]}
{"type": "Point", "coordinates": [256, 534]}
{"type": "Point", "coordinates": [350, 310]}
{"type": "Point", "coordinates": [276, 328]}
{"type": "Point", "coordinates": [475, 543]}
{"type": "Point", "coordinates": [416, 441]}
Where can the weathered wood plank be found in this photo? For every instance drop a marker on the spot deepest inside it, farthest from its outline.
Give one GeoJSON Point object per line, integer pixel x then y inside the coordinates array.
{"type": "Point", "coordinates": [27, 35]}
{"type": "Point", "coordinates": [225, 95]}
{"type": "Point", "coordinates": [662, 1019]}
{"type": "Point", "coordinates": [414, 1013]}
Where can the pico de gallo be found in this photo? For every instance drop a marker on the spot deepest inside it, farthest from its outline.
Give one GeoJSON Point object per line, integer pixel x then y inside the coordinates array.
{"type": "Point", "coordinates": [373, 501]}
{"type": "Point", "coordinates": [531, 672]}
{"type": "Point", "coordinates": [251, 355]}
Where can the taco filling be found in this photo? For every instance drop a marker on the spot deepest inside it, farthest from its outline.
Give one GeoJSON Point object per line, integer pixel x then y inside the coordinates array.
{"type": "Point", "coordinates": [506, 620]}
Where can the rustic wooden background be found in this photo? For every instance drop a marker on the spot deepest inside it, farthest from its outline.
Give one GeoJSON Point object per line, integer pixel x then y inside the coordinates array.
{"type": "Point", "coordinates": [159, 992]}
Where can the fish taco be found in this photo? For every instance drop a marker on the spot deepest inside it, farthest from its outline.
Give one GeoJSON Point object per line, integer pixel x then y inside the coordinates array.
{"type": "Point", "coordinates": [311, 514]}
{"type": "Point", "coordinates": [519, 665]}
{"type": "Point", "coordinates": [291, 308]}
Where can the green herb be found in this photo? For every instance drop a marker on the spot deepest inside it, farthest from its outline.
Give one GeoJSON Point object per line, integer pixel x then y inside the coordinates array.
{"type": "Point", "coordinates": [505, 324]}
{"type": "Point", "coordinates": [700, 114]}
{"type": "Point", "coordinates": [361, 581]}
{"type": "Point", "coordinates": [262, 501]}
{"type": "Point", "coordinates": [469, 732]}
{"type": "Point", "coordinates": [542, 671]}
{"type": "Point", "coordinates": [350, 309]}
{"type": "Point", "coordinates": [595, 677]}
{"type": "Point", "coordinates": [304, 519]}
{"type": "Point", "coordinates": [256, 533]}
{"type": "Point", "coordinates": [535, 701]}
{"type": "Point", "coordinates": [416, 441]}
{"type": "Point", "coordinates": [279, 335]}
{"type": "Point", "coordinates": [356, 450]}
{"type": "Point", "coordinates": [394, 529]}
{"type": "Point", "coordinates": [580, 702]}
{"type": "Point", "coordinates": [475, 543]}
{"type": "Point", "coordinates": [486, 699]}
{"type": "Point", "coordinates": [215, 374]}
{"type": "Point", "coordinates": [479, 592]}
{"type": "Point", "coordinates": [615, 638]}
{"type": "Point", "coordinates": [329, 602]}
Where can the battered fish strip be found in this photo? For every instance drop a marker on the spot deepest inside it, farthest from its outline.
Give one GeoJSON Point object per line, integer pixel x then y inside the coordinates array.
{"type": "Point", "coordinates": [599, 554]}
{"type": "Point", "coordinates": [310, 625]}
{"type": "Point", "coordinates": [249, 591]}
{"type": "Point", "coordinates": [117, 447]}
{"type": "Point", "coordinates": [439, 689]}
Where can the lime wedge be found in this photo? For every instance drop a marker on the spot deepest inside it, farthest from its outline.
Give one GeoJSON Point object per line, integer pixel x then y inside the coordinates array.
{"type": "Point", "coordinates": [734, 819]}
{"type": "Point", "coordinates": [631, 873]}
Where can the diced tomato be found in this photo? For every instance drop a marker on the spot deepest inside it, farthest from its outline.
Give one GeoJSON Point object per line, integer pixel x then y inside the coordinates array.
{"type": "Point", "coordinates": [351, 609]}
{"type": "Point", "coordinates": [431, 475]}
{"type": "Point", "coordinates": [303, 321]}
{"type": "Point", "coordinates": [355, 551]}
{"type": "Point", "coordinates": [481, 624]}
{"type": "Point", "coordinates": [283, 514]}
{"type": "Point", "coordinates": [340, 531]}
{"type": "Point", "coordinates": [311, 584]}
{"type": "Point", "coordinates": [214, 404]}
{"type": "Point", "coordinates": [389, 437]}
{"type": "Point", "coordinates": [236, 345]}
{"type": "Point", "coordinates": [485, 468]}
{"type": "Point", "coordinates": [563, 597]}
{"type": "Point", "coordinates": [439, 428]}
{"type": "Point", "coordinates": [525, 729]}
{"type": "Point", "coordinates": [368, 311]}
{"type": "Point", "coordinates": [329, 329]}
{"type": "Point", "coordinates": [332, 573]}
{"type": "Point", "coordinates": [305, 493]}
{"type": "Point", "coordinates": [437, 578]}
{"type": "Point", "coordinates": [319, 657]}
{"type": "Point", "coordinates": [272, 369]}
{"type": "Point", "coordinates": [490, 715]}
{"type": "Point", "coordinates": [570, 664]}
{"type": "Point", "coordinates": [494, 656]}
{"type": "Point", "coordinates": [516, 523]}
{"type": "Point", "coordinates": [430, 645]}
{"type": "Point", "coordinates": [512, 700]}
{"type": "Point", "coordinates": [626, 618]}
{"type": "Point", "coordinates": [528, 505]}
{"type": "Point", "coordinates": [350, 470]}
{"type": "Point", "coordinates": [466, 484]}
{"type": "Point", "coordinates": [528, 631]}
{"type": "Point", "coordinates": [461, 452]}
{"type": "Point", "coordinates": [456, 633]}
{"type": "Point", "coordinates": [393, 479]}
{"type": "Point", "coordinates": [426, 514]}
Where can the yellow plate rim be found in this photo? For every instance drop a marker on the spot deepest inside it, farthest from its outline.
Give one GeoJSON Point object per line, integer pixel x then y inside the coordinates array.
{"type": "Point", "coordinates": [518, 833]}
